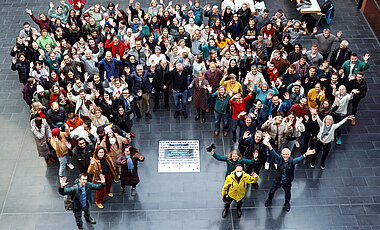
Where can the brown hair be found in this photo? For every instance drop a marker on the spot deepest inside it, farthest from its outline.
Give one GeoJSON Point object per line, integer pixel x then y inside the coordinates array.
{"type": "Point", "coordinates": [234, 152]}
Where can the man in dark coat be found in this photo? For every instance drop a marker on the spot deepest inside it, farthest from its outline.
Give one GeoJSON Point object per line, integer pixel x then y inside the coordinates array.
{"type": "Point", "coordinates": [285, 172]}
{"type": "Point", "coordinates": [29, 90]}
{"type": "Point", "coordinates": [158, 81]}
{"type": "Point", "coordinates": [82, 152]}
{"type": "Point", "coordinates": [22, 65]}
{"type": "Point", "coordinates": [81, 196]}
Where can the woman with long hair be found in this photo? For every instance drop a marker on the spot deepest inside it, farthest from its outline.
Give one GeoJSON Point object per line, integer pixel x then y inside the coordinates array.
{"type": "Point", "coordinates": [234, 158]}
{"type": "Point", "coordinates": [102, 164]}
{"type": "Point", "coordinates": [42, 135]}
{"type": "Point", "coordinates": [222, 97]}
{"type": "Point", "coordinates": [128, 162]}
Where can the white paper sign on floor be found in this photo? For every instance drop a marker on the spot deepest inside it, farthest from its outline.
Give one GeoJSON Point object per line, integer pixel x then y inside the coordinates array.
{"type": "Point", "coordinates": [179, 156]}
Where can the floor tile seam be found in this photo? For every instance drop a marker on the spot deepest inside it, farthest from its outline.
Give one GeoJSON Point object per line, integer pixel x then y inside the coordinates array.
{"type": "Point", "coordinates": [190, 209]}
{"type": "Point", "coordinates": [15, 167]}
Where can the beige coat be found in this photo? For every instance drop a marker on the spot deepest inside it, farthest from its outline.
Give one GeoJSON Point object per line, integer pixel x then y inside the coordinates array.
{"type": "Point", "coordinates": [96, 169]}
{"type": "Point", "coordinates": [282, 130]}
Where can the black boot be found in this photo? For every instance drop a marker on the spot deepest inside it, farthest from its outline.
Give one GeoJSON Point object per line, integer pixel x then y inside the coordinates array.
{"type": "Point", "coordinates": [203, 116]}
{"type": "Point", "coordinates": [121, 192]}
{"type": "Point", "coordinates": [198, 115]}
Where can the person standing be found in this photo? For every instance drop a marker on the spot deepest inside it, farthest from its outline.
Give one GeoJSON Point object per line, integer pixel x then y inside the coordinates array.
{"type": "Point", "coordinates": [284, 173]}
{"type": "Point", "coordinates": [360, 84]}
{"type": "Point", "coordinates": [235, 187]}
{"type": "Point", "coordinates": [81, 196]}
{"type": "Point", "coordinates": [200, 85]}
{"type": "Point", "coordinates": [61, 146]}
{"type": "Point", "coordinates": [325, 41]}
{"type": "Point", "coordinates": [42, 135]}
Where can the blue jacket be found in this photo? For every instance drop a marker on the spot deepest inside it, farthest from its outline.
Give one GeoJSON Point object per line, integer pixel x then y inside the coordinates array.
{"type": "Point", "coordinates": [137, 82]}
{"type": "Point", "coordinates": [109, 67]}
{"type": "Point", "coordinates": [283, 107]}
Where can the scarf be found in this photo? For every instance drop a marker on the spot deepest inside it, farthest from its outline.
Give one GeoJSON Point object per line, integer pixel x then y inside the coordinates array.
{"type": "Point", "coordinates": [325, 130]}
{"type": "Point", "coordinates": [222, 97]}
{"type": "Point", "coordinates": [130, 165]}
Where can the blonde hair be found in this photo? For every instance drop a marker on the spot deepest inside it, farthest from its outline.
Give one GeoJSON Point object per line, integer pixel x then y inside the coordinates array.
{"type": "Point", "coordinates": [35, 107]}
{"type": "Point", "coordinates": [328, 117]}
{"type": "Point", "coordinates": [234, 152]}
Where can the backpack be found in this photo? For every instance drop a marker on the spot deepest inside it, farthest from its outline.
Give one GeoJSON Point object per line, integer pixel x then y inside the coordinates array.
{"type": "Point", "coordinates": [68, 200]}
{"type": "Point", "coordinates": [327, 5]}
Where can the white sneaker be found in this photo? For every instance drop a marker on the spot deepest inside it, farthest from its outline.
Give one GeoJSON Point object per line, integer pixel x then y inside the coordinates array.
{"type": "Point", "coordinates": [297, 144]}
{"type": "Point", "coordinates": [189, 98]}
{"type": "Point", "coordinates": [266, 166]}
{"type": "Point", "coordinates": [71, 166]}
{"type": "Point", "coordinates": [275, 166]}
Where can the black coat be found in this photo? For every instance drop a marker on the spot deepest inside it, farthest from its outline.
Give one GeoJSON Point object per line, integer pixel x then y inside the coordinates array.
{"type": "Point", "coordinates": [334, 54]}
{"type": "Point", "coordinates": [23, 69]}
{"type": "Point", "coordinates": [123, 121]}
{"type": "Point", "coordinates": [128, 178]}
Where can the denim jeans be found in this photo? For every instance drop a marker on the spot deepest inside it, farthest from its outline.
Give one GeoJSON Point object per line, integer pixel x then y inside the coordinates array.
{"type": "Point", "coordinates": [62, 165]}
{"type": "Point", "coordinates": [221, 117]}
{"type": "Point", "coordinates": [339, 130]}
{"type": "Point", "coordinates": [276, 185]}
{"type": "Point", "coordinates": [234, 126]}
{"type": "Point", "coordinates": [180, 97]}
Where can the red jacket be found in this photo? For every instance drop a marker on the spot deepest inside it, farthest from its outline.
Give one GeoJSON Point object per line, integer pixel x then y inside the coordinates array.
{"type": "Point", "coordinates": [238, 108]}
{"type": "Point", "coordinates": [119, 49]}
{"type": "Point", "coordinates": [75, 3]}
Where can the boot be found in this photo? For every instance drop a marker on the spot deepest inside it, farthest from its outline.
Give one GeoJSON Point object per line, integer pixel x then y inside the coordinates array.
{"type": "Point", "coordinates": [121, 192]}
{"type": "Point", "coordinates": [203, 116]}
{"type": "Point", "coordinates": [133, 192]}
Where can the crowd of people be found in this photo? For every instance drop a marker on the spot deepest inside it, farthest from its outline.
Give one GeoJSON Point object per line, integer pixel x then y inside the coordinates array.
{"type": "Point", "coordinates": [90, 73]}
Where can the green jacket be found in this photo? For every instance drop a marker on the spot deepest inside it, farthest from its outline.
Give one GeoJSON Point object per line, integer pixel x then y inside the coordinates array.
{"type": "Point", "coordinates": [221, 106]}
{"type": "Point", "coordinates": [53, 65]}
{"type": "Point", "coordinates": [42, 41]}
{"type": "Point", "coordinates": [206, 49]}
{"type": "Point", "coordinates": [73, 190]}
{"type": "Point", "coordinates": [231, 165]}
{"type": "Point", "coordinates": [45, 100]}
{"type": "Point", "coordinates": [63, 16]}
{"type": "Point", "coordinates": [88, 29]}
{"type": "Point", "coordinates": [360, 66]}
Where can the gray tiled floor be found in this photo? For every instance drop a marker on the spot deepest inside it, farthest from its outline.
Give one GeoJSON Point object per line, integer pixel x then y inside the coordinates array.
{"type": "Point", "coordinates": [343, 196]}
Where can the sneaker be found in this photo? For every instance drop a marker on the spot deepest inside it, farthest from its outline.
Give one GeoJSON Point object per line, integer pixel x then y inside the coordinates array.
{"type": "Point", "coordinates": [133, 192]}
{"type": "Point", "coordinates": [148, 115]}
{"type": "Point", "coordinates": [275, 166]}
{"type": "Point", "coordinates": [176, 114]}
{"type": "Point", "coordinates": [91, 220]}
{"type": "Point", "coordinates": [268, 202]}
{"type": "Point", "coordinates": [266, 166]}
{"type": "Point", "coordinates": [297, 144]}
{"type": "Point", "coordinates": [70, 166]}
{"type": "Point", "coordinates": [99, 205]}
{"type": "Point", "coordinates": [238, 212]}
{"type": "Point", "coordinates": [322, 166]}
{"type": "Point", "coordinates": [116, 181]}
{"type": "Point", "coordinates": [287, 207]}
{"type": "Point", "coordinates": [224, 213]}
{"type": "Point", "coordinates": [339, 141]}
{"type": "Point", "coordinates": [203, 120]}
{"type": "Point", "coordinates": [184, 115]}
{"type": "Point", "coordinates": [312, 165]}
{"type": "Point", "coordinates": [189, 98]}
{"type": "Point", "coordinates": [216, 133]}
{"type": "Point", "coordinates": [121, 192]}
{"type": "Point", "coordinates": [110, 194]}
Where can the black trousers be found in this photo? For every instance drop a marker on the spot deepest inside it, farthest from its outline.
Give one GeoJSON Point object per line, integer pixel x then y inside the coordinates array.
{"type": "Point", "coordinates": [228, 200]}
{"type": "Point", "coordinates": [78, 215]}
{"type": "Point", "coordinates": [355, 104]}
{"type": "Point", "coordinates": [157, 96]}
{"type": "Point", "coordinates": [318, 147]}
{"type": "Point", "coordinates": [276, 185]}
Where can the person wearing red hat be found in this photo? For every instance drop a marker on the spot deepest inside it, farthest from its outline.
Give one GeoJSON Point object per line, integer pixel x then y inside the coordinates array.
{"type": "Point", "coordinates": [61, 147]}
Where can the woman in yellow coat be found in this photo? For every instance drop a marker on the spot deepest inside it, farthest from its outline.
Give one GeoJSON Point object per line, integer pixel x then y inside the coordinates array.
{"type": "Point", "coordinates": [234, 189]}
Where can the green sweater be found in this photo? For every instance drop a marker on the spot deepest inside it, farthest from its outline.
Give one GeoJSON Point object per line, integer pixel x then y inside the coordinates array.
{"type": "Point", "coordinates": [220, 106]}
{"type": "Point", "coordinates": [206, 49]}
{"type": "Point", "coordinates": [63, 16]}
{"type": "Point", "coordinates": [360, 66]}
{"type": "Point", "coordinates": [42, 41]}
{"type": "Point", "coordinates": [230, 164]}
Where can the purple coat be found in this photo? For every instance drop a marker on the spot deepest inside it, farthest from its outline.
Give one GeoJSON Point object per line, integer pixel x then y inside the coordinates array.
{"type": "Point", "coordinates": [27, 93]}
{"type": "Point", "coordinates": [127, 178]}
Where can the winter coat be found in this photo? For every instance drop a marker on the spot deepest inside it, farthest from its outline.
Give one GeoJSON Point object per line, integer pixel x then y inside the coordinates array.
{"type": "Point", "coordinates": [62, 16]}
{"type": "Point", "coordinates": [281, 131]}
{"type": "Point", "coordinates": [118, 49]}
{"type": "Point", "coordinates": [42, 24]}
{"type": "Point", "coordinates": [200, 94]}
{"type": "Point", "coordinates": [126, 177]}
{"type": "Point", "coordinates": [41, 136]}
{"type": "Point", "coordinates": [89, 99]}
{"type": "Point", "coordinates": [60, 145]}
{"type": "Point", "coordinates": [116, 149]}
{"type": "Point", "coordinates": [28, 92]}
{"type": "Point", "coordinates": [230, 164]}
{"type": "Point", "coordinates": [96, 169]}
{"type": "Point", "coordinates": [236, 190]}
{"type": "Point", "coordinates": [22, 70]}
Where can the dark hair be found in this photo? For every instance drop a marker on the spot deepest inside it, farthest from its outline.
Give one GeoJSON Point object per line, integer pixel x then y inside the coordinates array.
{"type": "Point", "coordinates": [38, 122]}
{"type": "Point", "coordinates": [100, 130]}
{"type": "Point", "coordinates": [81, 139]}
{"type": "Point", "coordinates": [354, 55]}
{"type": "Point", "coordinates": [26, 24]}
{"type": "Point", "coordinates": [82, 175]}
{"type": "Point", "coordinates": [266, 11]}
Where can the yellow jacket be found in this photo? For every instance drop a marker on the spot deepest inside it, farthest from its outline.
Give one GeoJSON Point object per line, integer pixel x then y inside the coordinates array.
{"type": "Point", "coordinates": [237, 190]}
{"type": "Point", "coordinates": [312, 99]}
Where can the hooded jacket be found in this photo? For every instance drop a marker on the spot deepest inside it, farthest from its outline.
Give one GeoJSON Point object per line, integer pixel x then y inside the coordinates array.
{"type": "Point", "coordinates": [236, 190]}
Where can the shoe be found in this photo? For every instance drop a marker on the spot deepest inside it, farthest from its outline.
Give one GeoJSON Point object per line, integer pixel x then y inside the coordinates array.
{"type": "Point", "coordinates": [116, 181]}
{"type": "Point", "coordinates": [238, 212]}
{"type": "Point", "coordinates": [216, 133]}
{"type": "Point", "coordinates": [80, 227]}
{"type": "Point", "coordinates": [184, 115]}
{"type": "Point", "coordinates": [225, 213]}
{"type": "Point", "coordinates": [110, 194]}
{"type": "Point", "coordinates": [255, 185]}
{"type": "Point", "coordinates": [266, 166]}
{"type": "Point", "coordinates": [353, 122]}
{"type": "Point", "coordinates": [121, 192]}
{"type": "Point", "coordinates": [189, 98]}
{"type": "Point", "coordinates": [91, 220]}
{"type": "Point", "coordinates": [297, 144]}
{"type": "Point", "coordinates": [322, 166]}
{"type": "Point", "coordinates": [312, 165]}
{"type": "Point", "coordinates": [176, 114]}
{"type": "Point", "coordinates": [99, 205]}
{"type": "Point", "coordinates": [207, 110]}
{"type": "Point", "coordinates": [234, 139]}
{"type": "Point", "coordinates": [197, 117]}
{"type": "Point", "coordinates": [155, 108]}
{"type": "Point", "coordinates": [275, 166]}
{"type": "Point", "coordinates": [148, 115]}
{"type": "Point", "coordinates": [167, 107]}
{"type": "Point", "coordinates": [133, 135]}
{"type": "Point", "coordinates": [203, 120]}
{"type": "Point", "coordinates": [287, 207]}
{"type": "Point", "coordinates": [268, 202]}
{"type": "Point", "coordinates": [225, 134]}
{"type": "Point", "coordinates": [133, 192]}
{"type": "Point", "coordinates": [339, 141]}
{"type": "Point", "coordinates": [70, 166]}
